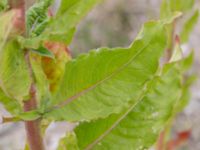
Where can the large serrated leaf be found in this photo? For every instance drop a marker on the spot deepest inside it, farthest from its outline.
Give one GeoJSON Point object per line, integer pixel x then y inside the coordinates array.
{"type": "Point", "coordinates": [139, 125]}
{"type": "Point", "coordinates": [102, 82]}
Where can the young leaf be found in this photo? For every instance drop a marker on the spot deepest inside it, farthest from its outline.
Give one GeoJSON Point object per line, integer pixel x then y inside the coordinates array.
{"type": "Point", "coordinates": [37, 17]}
{"type": "Point", "coordinates": [14, 76]}
{"type": "Point", "coordinates": [42, 51]}
{"type": "Point", "coordinates": [139, 125]}
{"type": "Point", "coordinates": [62, 27]}
{"type": "Point", "coordinates": [104, 81]}
{"type": "Point", "coordinates": [189, 26]}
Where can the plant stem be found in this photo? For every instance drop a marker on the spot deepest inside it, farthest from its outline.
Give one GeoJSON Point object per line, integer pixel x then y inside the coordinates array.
{"type": "Point", "coordinates": [34, 137]}
{"type": "Point", "coordinates": [170, 48]}
{"type": "Point", "coordinates": [33, 133]}
{"type": "Point", "coordinates": [17, 4]}
{"type": "Point", "coordinates": [33, 127]}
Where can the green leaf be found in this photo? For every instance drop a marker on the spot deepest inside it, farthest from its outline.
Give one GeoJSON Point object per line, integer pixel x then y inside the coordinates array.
{"type": "Point", "coordinates": [68, 18]}
{"type": "Point", "coordinates": [42, 51]}
{"type": "Point", "coordinates": [26, 147]}
{"type": "Point", "coordinates": [3, 5]}
{"type": "Point", "coordinates": [66, 5]}
{"type": "Point", "coordinates": [177, 52]}
{"type": "Point", "coordinates": [168, 7]}
{"type": "Point", "coordinates": [181, 5]}
{"type": "Point", "coordinates": [184, 100]}
{"type": "Point", "coordinates": [165, 9]}
{"type": "Point", "coordinates": [37, 17]}
{"type": "Point", "coordinates": [14, 75]}
{"type": "Point", "coordinates": [11, 105]}
{"type": "Point", "coordinates": [102, 82]}
{"type": "Point", "coordinates": [41, 81]}
{"type": "Point", "coordinates": [69, 142]}
{"type": "Point", "coordinates": [5, 28]}
{"type": "Point", "coordinates": [62, 27]}
{"type": "Point", "coordinates": [187, 82]}
{"type": "Point", "coordinates": [188, 61]}
{"type": "Point", "coordinates": [5, 48]}
{"type": "Point", "coordinates": [29, 116]}
{"type": "Point", "coordinates": [139, 125]}
{"type": "Point", "coordinates": [189, 26]}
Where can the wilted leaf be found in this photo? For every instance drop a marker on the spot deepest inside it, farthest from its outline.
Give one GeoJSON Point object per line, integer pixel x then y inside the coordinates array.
{"type": "Point", "coordinates": [55, 68]}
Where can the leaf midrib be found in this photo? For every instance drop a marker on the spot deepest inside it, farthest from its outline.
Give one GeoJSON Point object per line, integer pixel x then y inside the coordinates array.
{"type": "Point", "coordinates": [105, 133]}
{"type": "Point", "coordinates": [79, 94]}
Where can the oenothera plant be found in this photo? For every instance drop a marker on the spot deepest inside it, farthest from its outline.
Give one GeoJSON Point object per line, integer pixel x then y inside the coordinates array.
{"type": "Point", "coordinates": [119, 98]}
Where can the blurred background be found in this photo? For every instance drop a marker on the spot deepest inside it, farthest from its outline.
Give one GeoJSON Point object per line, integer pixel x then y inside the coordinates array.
{"type": "Point", "coordinates": [115, 23]}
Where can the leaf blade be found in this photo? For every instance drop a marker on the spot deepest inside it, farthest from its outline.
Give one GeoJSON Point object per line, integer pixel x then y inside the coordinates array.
{"type": "Point", "coordinates": [11, 105]}
{"type": "Point", "coordinates": [82, 89]}
{"type": "Point", "coordinates": [189, 26]}
{"type": "Point", "coordinates": [13, 69]}
{"type": "Point", "coordinates": [130, 129]}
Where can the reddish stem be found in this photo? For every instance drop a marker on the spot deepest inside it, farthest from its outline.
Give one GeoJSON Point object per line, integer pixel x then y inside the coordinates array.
{"type": "Point", "coordinates": [161, 141]}
{"type": "Point", "coordinates": [19, 18]}
{"type": "Point", "coordinates": [32, 127]}
{"type": "Point", "coordinates": [16, 4]}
